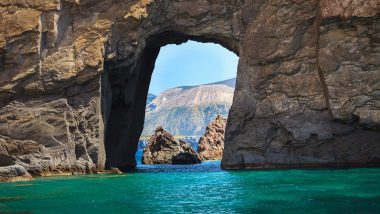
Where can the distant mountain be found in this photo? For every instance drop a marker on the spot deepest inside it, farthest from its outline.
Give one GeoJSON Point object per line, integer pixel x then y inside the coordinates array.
{"type": "Point", "coordinates": [229, 82]}
{"type": "Point", "coordinates": [150, 98]}
{"type": "Point", "coordinates": [187, 110]}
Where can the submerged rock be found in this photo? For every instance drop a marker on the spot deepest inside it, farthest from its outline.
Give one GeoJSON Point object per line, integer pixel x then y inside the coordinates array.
{"type": "Point", "coordinates": [211, 144]}
{"type": "Point", "coordinates": [164, 149]}
{"type": "Point", "coordinates": [14, 173]}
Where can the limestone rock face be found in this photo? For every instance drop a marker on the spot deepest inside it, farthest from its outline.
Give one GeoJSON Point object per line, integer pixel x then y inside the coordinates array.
{"type": "Point", "coordinates": [74, 77]}
{"type": "Point", "coordinates": [211, 144]}
{"type": "Point", "coordinates": [164, 149]}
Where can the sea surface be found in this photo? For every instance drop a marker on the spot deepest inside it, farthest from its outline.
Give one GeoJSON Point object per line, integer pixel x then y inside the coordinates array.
{"type": "Point", "coordinates": [202, 188]}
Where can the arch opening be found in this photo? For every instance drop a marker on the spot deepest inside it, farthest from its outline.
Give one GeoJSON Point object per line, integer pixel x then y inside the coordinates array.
{"type": "Point", "coordinates": [124, 94]}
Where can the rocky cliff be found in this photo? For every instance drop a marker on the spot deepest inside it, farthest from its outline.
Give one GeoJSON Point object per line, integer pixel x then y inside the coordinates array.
{"type": "Point", "coordinates": [187, 110]}
{"type": "Point", "coordinates": [74, 78]}
{"type": "Point", "coordinates": [211, 144]}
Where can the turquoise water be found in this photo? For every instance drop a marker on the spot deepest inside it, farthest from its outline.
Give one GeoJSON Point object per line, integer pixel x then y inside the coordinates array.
{"type": "Point", "coordinates": [200, 188]}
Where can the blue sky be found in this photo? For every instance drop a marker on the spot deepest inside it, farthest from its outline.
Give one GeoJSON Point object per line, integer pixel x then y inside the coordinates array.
{"type": "Point", "coordinates": [192, 63]}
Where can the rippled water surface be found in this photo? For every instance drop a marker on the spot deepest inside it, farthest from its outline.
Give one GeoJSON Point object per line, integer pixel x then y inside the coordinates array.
{"type": "Point", "coordinates": [200, 188]}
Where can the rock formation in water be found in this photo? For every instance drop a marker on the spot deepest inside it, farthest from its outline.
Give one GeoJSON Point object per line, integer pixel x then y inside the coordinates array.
{"type": "Point", "coordinates": [164, 149]}
{"type": "Point", "coordinates": [211, 144]}
{"type": "Point", "coordinates": [187, 110]}
{"type": "Point", "coordinates": [186, 158]}
{"type": "Point", "coordinates": [74, 78]}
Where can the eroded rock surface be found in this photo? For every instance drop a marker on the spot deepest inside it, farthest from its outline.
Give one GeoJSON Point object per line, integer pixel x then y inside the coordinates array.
{"type": "Point", "coordinates": [211, 144]}
{"type": "Point", "coordinates": [74, 77]}
{"type": "Point", "coordinates": [14, 173]}
{"type": "Point", "coordinates": [164, 149]}
{"type": "Point", "coordinates": [308, 99]}
{"type": "Point", "coordinates": [45, 138]}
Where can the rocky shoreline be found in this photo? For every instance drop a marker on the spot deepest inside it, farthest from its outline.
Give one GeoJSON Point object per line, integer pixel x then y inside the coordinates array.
{"type": "Point", "coordinates": [14, 173]}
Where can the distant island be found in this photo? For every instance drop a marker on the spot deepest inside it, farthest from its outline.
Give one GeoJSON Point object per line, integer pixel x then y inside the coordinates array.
{"type": "Point", "coordinates": [187, 110]}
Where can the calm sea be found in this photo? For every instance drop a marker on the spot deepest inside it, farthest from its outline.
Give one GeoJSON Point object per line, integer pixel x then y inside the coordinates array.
{"type": "Point", "coordinates": [203, 188]}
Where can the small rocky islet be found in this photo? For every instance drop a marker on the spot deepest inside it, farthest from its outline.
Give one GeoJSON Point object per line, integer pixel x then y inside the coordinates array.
{"type": "Point", "coordinates": [163, 148]}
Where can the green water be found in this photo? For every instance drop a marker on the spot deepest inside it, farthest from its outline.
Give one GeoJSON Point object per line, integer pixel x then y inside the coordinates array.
{"type": "Point", "coordinates": [199, 189]}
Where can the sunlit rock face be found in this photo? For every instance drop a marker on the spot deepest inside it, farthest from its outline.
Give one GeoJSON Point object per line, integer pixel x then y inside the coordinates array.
{"type": "Point", "coordinates": [211, 144]}
{"type": "Point", "coordinates": [74, 77]}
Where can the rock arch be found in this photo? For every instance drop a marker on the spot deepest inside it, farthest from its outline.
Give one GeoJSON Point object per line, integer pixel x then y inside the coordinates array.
{"type": "Point", "coordinates": [127, 108]}
{"type": "Point", "coordinates": [307, 86]}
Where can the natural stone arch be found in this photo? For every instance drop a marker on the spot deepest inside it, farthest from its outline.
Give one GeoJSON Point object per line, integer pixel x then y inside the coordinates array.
{"type": "Point", "coordinates": [129, 79]}
{"type": "Point", "coordinates": [307, 85]}
{"type": "Point", "coordinates": [125, 117]}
